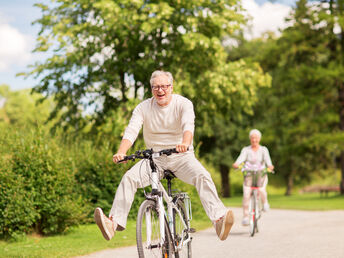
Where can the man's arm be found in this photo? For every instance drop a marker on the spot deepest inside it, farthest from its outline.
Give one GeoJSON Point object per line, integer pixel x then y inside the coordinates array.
{"type": "Point", "coordinates": [187, 139]}
{"type": "Point", "coordinates": [123, 148]}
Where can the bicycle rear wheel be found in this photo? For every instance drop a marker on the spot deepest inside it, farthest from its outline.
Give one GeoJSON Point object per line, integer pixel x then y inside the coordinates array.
{"type": "Point", "coordinates": [253, 213]}
{"type": "Point", "coordinates": [181, 234]}
{"type": "Point", "coordinates": [148, 236]}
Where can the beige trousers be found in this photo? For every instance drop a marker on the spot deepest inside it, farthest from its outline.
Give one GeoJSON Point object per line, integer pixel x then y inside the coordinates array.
{"type": "Point", "coordinates": [185, 166]}
{"type": "Point", "coordinates": [247, 193]}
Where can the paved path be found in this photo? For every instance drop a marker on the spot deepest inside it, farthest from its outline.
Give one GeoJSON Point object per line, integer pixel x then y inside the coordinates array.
{"type": "Point", "coordinates": [283, 234]}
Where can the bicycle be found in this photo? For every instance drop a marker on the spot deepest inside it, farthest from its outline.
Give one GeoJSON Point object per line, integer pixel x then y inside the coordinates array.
{"type": "Point", "coordinates": [162, 232]}
{"type": "Point", "coordinates": [254, 179]}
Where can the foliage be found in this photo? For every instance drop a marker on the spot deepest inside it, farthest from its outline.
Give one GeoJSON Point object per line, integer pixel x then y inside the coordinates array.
{"type": "Point", "coordinates": [37, 186]}
{"type": "Point", "coordinates": [299, 114]}
{"type": "Point", "coordinates": [105, 50]}
{"type": "Point", "coordinates": [21, 109]}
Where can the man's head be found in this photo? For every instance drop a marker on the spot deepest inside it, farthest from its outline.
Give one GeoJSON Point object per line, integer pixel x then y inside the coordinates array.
{"type": "Point", "coordinates": [162, 87]}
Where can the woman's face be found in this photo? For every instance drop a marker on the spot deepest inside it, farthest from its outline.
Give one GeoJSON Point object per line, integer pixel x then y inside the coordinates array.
{"type": "Point", "coordinates": [255, 139]}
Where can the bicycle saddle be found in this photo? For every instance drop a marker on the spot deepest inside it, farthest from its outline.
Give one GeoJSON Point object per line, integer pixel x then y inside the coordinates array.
{"type": "Point", "coordinates": [168, 174]}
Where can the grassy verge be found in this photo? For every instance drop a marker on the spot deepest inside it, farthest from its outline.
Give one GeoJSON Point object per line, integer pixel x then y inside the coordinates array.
{"type": "Point", "coordinates": [78, 241]}
{"type": "Point", "coordinates": [88, 239]}
{"type": "Point", "coordinates": [311, 201]}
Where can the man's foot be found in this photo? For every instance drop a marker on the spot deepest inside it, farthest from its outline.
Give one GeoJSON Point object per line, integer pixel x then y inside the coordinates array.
{"type": "Point", "coordinates": [106, 226]}
{"type": "Point", "coordinates": [266, 207]}
{"type": "Point", "coordinates": [245, 221]}
{"type": "Point", "coordinates": [224, 224]}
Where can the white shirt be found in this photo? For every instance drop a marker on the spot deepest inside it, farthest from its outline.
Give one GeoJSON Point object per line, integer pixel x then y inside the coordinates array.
{"type": "Point", "coordinates": [163, 126]}
{"type": "Point", "coordinates": [257, 159]}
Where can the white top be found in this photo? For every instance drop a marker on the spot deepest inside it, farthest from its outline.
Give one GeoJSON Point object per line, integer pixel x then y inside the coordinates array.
{"type": "Point", "coordinates": [163, 126]}
{"type": "Point", "coordinates": [254, 159]}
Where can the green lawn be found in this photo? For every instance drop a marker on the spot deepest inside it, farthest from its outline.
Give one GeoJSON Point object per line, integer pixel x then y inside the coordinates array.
{"type": "Point", "coordinates": [87, 238]}
{"type": "Point", "coordinates": [299, 202]}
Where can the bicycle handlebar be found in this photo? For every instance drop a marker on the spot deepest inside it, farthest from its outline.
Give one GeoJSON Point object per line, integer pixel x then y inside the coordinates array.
{"type": "Point", "coordinates": [147, 154]}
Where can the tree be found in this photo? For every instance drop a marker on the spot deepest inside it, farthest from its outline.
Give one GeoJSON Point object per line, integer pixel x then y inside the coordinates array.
{"type": "Point", "coordinates": [104, 51]}
{"type": "Point", "coordinates": [300, 112]}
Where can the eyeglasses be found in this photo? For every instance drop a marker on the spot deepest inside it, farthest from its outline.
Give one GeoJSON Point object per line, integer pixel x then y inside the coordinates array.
{"type": "Point", "coordinates": [158, 87]}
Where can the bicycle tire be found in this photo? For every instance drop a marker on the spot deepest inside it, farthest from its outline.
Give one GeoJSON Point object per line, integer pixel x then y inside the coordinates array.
{"type": "Point", "coordinates": [154, 249]}
{"type": "Point", "coordinates": [253, 214]}
{"type": "Point", "coordinates": [178, 226]}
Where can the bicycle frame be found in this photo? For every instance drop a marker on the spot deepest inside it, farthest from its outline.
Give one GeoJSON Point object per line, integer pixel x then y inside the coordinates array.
{"type": "Point", "coordinates": [165, 217]}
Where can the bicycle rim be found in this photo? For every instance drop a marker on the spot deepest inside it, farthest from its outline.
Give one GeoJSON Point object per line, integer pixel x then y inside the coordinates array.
{"type": "Point", "coordinates": [252, 214]}
{"type": "Point", "coordinates": [181, 234]}
{"type": "Point", "coordinates": [148, 235]}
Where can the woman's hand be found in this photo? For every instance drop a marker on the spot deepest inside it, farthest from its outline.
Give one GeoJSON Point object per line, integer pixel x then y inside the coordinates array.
{"type": "Point", "coordinates": [235, 165]}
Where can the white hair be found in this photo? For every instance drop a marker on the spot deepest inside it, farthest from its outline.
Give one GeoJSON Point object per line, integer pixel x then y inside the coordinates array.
{"type": "Point", "coordinates": [256, 132]}
{"type": "Point", "coordinates": [158, 73]}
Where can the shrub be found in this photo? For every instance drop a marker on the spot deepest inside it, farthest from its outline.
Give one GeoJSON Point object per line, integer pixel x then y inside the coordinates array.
{"type": "Point", "coordinates": [37, 185]}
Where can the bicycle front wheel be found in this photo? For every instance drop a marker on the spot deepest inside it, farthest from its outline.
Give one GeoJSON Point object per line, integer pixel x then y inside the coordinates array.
{"type": "Point", "coordinates": [253, 213]}
{"type": "Point", "coordinates": [181, 231]}
{"type": "Point", "coordinates": [148, 237]}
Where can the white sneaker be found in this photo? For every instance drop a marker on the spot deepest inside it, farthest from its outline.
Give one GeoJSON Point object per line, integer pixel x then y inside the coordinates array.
{"type": "Point", "coordinates": [266, 207]}
{"type": "Point", "coordinates": [106, 225]}
{"type": "Point", "coordinates": [245, 221]}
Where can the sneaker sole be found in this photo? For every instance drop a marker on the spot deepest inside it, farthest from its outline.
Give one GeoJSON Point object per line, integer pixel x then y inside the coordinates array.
{"type": "Point", "coordinates": [99, 218]}
{"type": "Point", "coordinates": [227, 225]}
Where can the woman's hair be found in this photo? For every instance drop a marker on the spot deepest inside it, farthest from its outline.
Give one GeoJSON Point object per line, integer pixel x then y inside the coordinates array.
{"type": "Point", "coordinates": [159, 73]}
{"type": "Point", "coordinates": [256, 132]}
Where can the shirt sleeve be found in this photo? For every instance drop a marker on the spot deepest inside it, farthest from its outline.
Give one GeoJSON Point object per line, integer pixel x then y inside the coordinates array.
{"type": "Point", "coordinates": [242, 157]}
{"type": "Point", "coordinates": [135, 124]}
{"type": "Point", "coordinates": [188, 117]}
{"type": "Point", "coordinates": [267, 158]}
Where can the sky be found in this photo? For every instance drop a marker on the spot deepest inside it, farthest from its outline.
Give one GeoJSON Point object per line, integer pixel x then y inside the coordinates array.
{"type": "Point", "coordinates": [18, 35]}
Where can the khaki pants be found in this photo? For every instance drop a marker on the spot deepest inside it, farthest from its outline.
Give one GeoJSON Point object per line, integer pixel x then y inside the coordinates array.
{"type": "Point", "coordinates": [247, 193]}
{"type": "Point", "coordinates": [185, 166]}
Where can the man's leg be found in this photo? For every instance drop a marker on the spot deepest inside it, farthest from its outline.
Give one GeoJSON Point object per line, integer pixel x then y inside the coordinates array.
{"type": "Point", "coordinates": [136, 177]}
{"type": "Point", "coordinates": [187, 168]}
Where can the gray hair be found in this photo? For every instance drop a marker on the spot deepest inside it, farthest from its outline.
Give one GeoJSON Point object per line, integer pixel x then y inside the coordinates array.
{"type": "Point", "coordinates": [256, 132]}
{"type": "Point", "coordinates": [158, 73]}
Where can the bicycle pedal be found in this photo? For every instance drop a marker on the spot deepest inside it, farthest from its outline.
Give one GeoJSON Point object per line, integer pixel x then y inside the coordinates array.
{"type": "Point", "coordinates": [192, 230]}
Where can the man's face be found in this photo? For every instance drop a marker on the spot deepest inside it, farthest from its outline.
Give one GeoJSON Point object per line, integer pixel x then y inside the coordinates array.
{"type": "Point", "coordinates": [162, 90]}
{"type": "Point", "coordinates": [254, 140]}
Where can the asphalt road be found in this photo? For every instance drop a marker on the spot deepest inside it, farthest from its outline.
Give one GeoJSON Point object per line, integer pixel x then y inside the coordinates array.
{"type": "Point", "coordinates": [282, 233]}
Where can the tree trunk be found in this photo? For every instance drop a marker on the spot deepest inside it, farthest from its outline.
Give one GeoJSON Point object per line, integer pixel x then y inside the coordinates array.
{"type": "Point", "coordinates": [225, 181]}
{"type": "Point", "coordinates": [341, 126]}
{"type": "Point", "coordinates": [290, 184]}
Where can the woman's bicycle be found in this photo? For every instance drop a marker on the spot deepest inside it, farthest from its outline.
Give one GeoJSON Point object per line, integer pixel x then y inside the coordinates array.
{"type": "Point", "coordinates": [254, 178]}
{"type": "Point", "coordinates": [162, 231]}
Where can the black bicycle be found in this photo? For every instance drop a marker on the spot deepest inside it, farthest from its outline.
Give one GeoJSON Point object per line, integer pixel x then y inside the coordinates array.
{"type": "Point", "coordinates": [162, 228]}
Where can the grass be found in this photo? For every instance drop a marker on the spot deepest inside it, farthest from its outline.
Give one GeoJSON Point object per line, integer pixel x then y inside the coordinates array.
{"type": "Point", "coordinates": [311, 201]}
{"type": "Point", "coordinates": [87, 239]}
{"type": "Point", "coordinates": [82, 240]}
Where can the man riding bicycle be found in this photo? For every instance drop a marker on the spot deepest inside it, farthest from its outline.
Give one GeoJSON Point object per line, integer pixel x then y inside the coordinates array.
{"type": "Point", "coordinates": [255, 157]}
{"type": "Point", "coordinates": [168, 122]}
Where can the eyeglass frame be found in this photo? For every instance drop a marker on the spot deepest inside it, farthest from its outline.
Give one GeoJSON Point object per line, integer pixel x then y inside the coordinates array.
{"type": "Point", "coordinates": [163, 87]}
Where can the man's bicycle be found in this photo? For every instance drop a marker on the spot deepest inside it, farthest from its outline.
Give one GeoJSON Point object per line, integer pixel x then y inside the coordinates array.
{"type": "Point", "coordinates": [254, 178]}
{"type": "Point", "coordinates": [162, 231]}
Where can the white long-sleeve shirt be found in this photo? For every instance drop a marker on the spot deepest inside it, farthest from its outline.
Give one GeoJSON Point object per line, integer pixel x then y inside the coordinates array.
{"type": "Point", "coordinates": [163, 126]}
{"type": "Point", "coordinates": [254, 159]}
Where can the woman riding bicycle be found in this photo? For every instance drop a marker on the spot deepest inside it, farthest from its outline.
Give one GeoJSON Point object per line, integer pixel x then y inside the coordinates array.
{"type": "Point", "coordinates": [168, 122]}
{"type": "Point", "coordinates": [254, 156]}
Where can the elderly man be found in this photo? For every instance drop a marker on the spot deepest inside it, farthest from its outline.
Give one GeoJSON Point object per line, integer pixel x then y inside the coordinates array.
{"type": "Point", "coordinates": [168, 122]}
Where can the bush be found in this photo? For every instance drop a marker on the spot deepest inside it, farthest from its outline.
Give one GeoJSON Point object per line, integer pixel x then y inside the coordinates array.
{"type": "Point", "coordinates": [37, 185]}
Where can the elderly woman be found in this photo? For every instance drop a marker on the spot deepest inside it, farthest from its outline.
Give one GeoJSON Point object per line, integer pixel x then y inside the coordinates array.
{"type": "Point", "coordinates": [254, 156]}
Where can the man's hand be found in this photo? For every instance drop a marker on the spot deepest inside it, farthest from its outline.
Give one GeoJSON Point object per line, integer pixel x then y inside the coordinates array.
{"type": "Point", "coordinates": [182, 147]}
{"type": "Point", "coordinates": [117, 157]}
